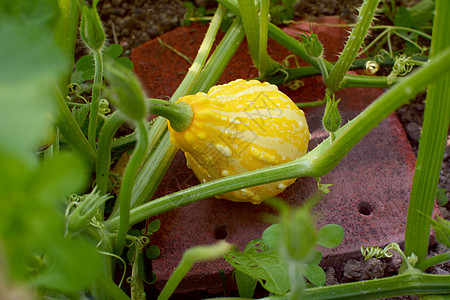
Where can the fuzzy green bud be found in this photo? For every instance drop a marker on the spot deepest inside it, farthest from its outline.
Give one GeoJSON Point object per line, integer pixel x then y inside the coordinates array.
{"type": "Point", "coordinates": [331, 119]}
{"type": "Point", "coordinates": [312, 45]}
{"type": "Point", "coordinates": [85, 211]}
{"type": "Point", "coordinates": [125, 91]}
{"type": "Point", "coordinates": [91, 29]}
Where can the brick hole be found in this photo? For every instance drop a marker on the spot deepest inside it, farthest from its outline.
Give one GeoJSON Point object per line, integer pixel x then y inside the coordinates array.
{"type": "Point", "coordinates": [220, 232]}
{"type": "Point", "coordinates": [365, 208]}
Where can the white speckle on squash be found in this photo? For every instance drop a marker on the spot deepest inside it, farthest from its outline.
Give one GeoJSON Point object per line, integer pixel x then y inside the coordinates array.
{"type": "Point", "coordinates": [281, 186]}
{"type": "Point", "coordinates": [224, 150]}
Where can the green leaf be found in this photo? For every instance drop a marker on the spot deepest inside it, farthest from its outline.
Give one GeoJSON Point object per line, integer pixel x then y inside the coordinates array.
{"type": "Point", "coordinates": [271, 236]}
{"type": "Point", "coordinates": [331, 235]}
{"type": "Point", "coordinates": [315, 274]}
{"type": "Point", "coordinates": [315, 260]}
{"type": "Point", "coordinates": [442, 197]}
{"type": "Point", "coordinates": [114, 50]}
{"type": "Point", "coordinates": [246, 284]}
{"type": "Point", "coordinates": [403, 18]}
{"type": "Point", "coordinates": [86, 66]}
{"type": "Point", "coordinates": [154, 226]}
{"type": "Point", "coordinates": [153, 252]}
{"type": "Point", "coordinates": [263, 263]}
{"type": "Point", "coordinates": [126, 62]}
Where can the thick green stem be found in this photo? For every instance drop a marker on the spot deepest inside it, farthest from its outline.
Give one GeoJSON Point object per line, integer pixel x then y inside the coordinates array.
{"type": "Point", "coordinates": [66, 36]}
{"type": "Point", "coordinates": [202, 54]}
{"type": "Point", "coordinates": [190, 257]}
{"type": "Point", "coordinates": [432, 144]}
{"type": "Point", "coordinates": [219, 59]}
{"type": "Point", "coordinates": [297, 280]}
{"type": "Point", "coordinates": [316, 163]}
{"type": "Point", "coordinates": [95, 100]}
{"type": "Point", "coordinates": [250, 20]}
{"type": "Point", "coordinates": [153, 171]}
{"type": "Point", "coordinates": [106, 136]}
{"type": "Point", "coordinates": [179, 114]}
{"type": "Point", "coordinates": [353, 45]}
{"type": "Point", "coordinates": [399, 285]}
{"type": "Point", "coordinates": [323, 68]}
{"type": "Point", "coordinates": [263, 26]}
{"type": "Point", "coordinates": [155, 164]}
{"type": "Point", "coordinates": [127, 184]}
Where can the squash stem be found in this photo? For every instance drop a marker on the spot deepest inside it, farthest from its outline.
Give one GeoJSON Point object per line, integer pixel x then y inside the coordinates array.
{"type": "Point", "coordinates": [432, 144]}
{"type": "Point", "coordinates": [127, 184]}
{"type": "Point", "coordinates": [96, 94]}
{"type": "Point", "coordinates": [352, 46]}
{"type": "Point", "coordinates": [179, 114]}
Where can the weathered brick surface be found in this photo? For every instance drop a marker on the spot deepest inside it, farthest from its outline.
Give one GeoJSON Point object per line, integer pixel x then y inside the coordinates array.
{"type": "Point", "coordinates": [374, 178]}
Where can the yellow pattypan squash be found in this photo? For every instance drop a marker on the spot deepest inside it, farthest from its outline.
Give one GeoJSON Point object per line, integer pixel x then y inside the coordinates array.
{"type": "Point", "coordinates": [242, 126]}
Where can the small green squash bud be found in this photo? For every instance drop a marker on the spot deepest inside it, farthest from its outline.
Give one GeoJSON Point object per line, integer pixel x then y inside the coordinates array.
{"type": "Point", "coordinates": [312, 45]}
{"type": "Point", "coordinates": [331, 119]}
{"type": "Point", "coordinates": [91, 29]}
{"type": "Point", "coordinates": [125, 91]}
{"type": "Point", "coordinates": [85, 210]}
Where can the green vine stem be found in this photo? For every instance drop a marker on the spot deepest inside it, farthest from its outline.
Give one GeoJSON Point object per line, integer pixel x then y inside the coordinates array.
{"type": "Point", "coordinates": [256, 26]}
{"type": "Point", "coordinates": [399, 285]}
{"type": "Point", "coordinates": [155, 168]}
{"type": "Point", "coordinates": [66, 35]}
{"type": "Point", "coordinates": [250, 20]}
{"type": "Point", "coordinates": [353, 45]}
{"type": "Point", "coordinates": [95, 100]}
{"type": "Point", "coordinates": [316, 163]}
{"type": "Point", "coordinates": [219, 59]}
{"type": "Point", "coordinates": [297, 279]}
{"type": "Point", "coordinates": [156, 161]}
{"type": "Point", "coordinates": [179, 114]}
{"type": "Point", "coordinates": [202, 54]}
{"type": "Point", "coordinates": [110, 289]}
{"type": "Point", "coordinates": [106, 136]}
{"type": "Point", "coordinates": [350, 80]}
{"type": "Point", "coordinates": [190, 257]}
{"type": "Point", "coordinates": [432, 144]}
{"type": "Point", "coordinates": [128, 182]}
{"type": "Point", "coordinates": [263, 27]}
